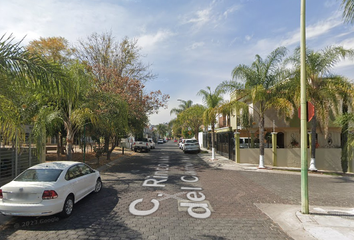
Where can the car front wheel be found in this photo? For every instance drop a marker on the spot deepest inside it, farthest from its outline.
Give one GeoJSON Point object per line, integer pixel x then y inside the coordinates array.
{"type": "Point", "coordinates": [98, 185]}
{"type": "Point", "coordinates": [68, 207]}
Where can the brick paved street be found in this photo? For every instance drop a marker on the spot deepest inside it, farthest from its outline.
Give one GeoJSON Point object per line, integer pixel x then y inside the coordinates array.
{"type": "Point", "coordinates": [177, 182]}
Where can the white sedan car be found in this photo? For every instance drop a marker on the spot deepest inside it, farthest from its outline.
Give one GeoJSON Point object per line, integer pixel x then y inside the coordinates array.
{"type": "Point", "coordinates": [191, 145]}
{"type": "Point", "coordinates": [49, 188]}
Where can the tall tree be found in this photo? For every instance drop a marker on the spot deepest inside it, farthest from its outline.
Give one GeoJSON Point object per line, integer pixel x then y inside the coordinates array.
{"type": "Point", "coordinates": [55, 49]}
{"type": "Point", "coordinates": [103, 51]}
{"type": "Point", "coordinates": [119, 69]}
{"type": "Point", "coordinates": [19, 69]}
{"type": "Point", "coordinates": [162, 130]}
{"type": "Point", "coordinates": [111, 119]}
{"type": "Point", "coordinates": [193, 118]}
{"type": "Point", "coordinates": [68, 100]}
{"type": "Point", "coordinates": [263, 88]}
{"type": "Point", "coordinates": [324, 89]}
{"type": "Point", "coordinates": [72, 107]}
{"type": "Point", "coordinates": [212, 101]}
{"type": "Point", "coordinates": [183, 106]}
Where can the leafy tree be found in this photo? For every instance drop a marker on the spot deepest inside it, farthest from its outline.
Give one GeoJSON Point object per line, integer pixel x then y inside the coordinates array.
{"type": "Point", "coordinates": [118, 69]}
{"type": "Point", "coordinates": [103, 51]}
{"type": "Point", "coordinates": [71, 106]}
{"type": "Point", "coordinates": [111, 119]}
{"type": "Point", "coordinates": [162, 129]}
{"type": "Point", "coordinates": [176, 128]}
{"type": "Point", "coordinates": [68, 100]}
{"type": "Point", "coordinates": [183, 106]}
{"type": "Point", "coordinates": [20, 71]}
{"type": "Point", "coordinates": [193, 118]}
{"type": "Point", "coordinates": [212, 101]}
{"type": "Point", "coordinates": [263, 88]}
{"type": "Point", "coordinates": [55, 49]}
{"type": "Point", "coordinates": [177, 125]}
{"type": "Point", "coordinates": [324, 89]}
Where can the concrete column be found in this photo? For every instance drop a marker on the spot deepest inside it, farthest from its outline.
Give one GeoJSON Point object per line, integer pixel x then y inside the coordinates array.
{"type": "Point", "coordinates": [237, 147]}
{"type": "Point", "coordinates": [274, 148]}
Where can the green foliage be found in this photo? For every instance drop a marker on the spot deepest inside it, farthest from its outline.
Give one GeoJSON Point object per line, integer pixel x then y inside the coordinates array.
{"type": "Point", "coordinates": [162, 129]}
{"type": "Point", "coordinates": [191, 119]}
{"type": "Point", "coordinates": [212, 101]}
{"type": "Point", "coordinates": [324, 89]}
{"type": "Point", "coordinates": [348, 10]}
{"type": "Point", "coordinates": [22, 74]}
{"type": "Point", "coordinates": [263, 86]}
{"type": "Point", "coordinates": [183, 106]}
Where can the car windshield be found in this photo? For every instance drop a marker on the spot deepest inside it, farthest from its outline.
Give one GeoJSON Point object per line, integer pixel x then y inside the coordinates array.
{"type": "Point", "coordinates": [191, 141]}
{"type": "Point", "coordinates": [39, 175]}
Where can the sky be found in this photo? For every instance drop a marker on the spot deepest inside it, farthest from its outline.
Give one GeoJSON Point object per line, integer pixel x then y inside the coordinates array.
{"type": "Point", "coordinates": [190, 44]}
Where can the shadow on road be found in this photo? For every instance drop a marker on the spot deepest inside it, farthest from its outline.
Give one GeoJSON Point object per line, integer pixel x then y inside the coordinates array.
{"type": "Point", "coordinates": [91, 217]}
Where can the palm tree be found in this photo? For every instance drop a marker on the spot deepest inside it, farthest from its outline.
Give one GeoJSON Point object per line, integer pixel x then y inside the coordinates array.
{"type": "Point", "coordinates": [72, 106]}
{"type": "Point", "coordinates": [348, 10]}
{"type": "Point", "coordinates": [183, 106]}
{"type": "Point", "coordinates": [192, 118]}
{"type": "Point", "coordinates": [324, 89]}
{"type": "Point", "coordinates": [20, 68]}
{"type": "Point", "coordinates": [162, 130]}
{"type": "Point", "coordinates": [212, 101]}
{"type": "Point", "coordinates": [263, 88]}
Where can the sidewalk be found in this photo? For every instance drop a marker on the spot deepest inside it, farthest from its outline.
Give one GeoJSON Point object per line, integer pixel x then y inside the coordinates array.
{"type": "Point", "coordinates": [324, 223]}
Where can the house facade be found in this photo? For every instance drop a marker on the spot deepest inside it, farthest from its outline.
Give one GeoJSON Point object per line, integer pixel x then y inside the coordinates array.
{"type": "Point", "coordinates": [287, 133]}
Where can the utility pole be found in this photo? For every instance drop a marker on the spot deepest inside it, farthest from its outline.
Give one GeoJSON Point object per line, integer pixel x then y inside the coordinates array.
{"type": "Point", "coordinates": [303, 121]}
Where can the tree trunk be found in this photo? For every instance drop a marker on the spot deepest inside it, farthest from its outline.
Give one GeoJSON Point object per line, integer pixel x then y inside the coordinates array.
{"type": "Point", "coordinates": [261, 142]}
{"type": "Point", "coordinates": [196, 133]}
{"type": "Point", "coordinates": [69, 144]}
{"type": "Point", "coordinates": [344, 140]}
{"type": "Point", "coordinates": [110, 150]}
{"type": "Point", "coordinates": [108, 154]}
{"type": "Point", "coordinates": [313, 143]}
{"type": "Point", "coordinates": [106, 144]}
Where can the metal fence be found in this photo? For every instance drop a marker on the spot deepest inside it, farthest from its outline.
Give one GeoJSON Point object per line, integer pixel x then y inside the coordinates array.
{"type": "Point", "coordinates": [224, 143]}
{"type": "Point", "coordinates": [14, 162]}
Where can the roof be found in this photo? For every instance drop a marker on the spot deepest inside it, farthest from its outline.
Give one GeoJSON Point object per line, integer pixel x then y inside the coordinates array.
{"type": "Point", "coordinates": [55, 165]}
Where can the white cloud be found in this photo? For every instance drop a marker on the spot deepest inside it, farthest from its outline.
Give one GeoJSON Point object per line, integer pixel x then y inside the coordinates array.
{"type": "Point", "coordinates": [231, 10]}
{"type": "Point", "coordinates": [196, 45]}
{"type": "Point", "coordinates": [200, 18]}
{"type": "Point", "coordinates": [69, 19]}
{"type": "Point", "coordinates": [151, 40]}
{"type": "Point", "coordinates": [313, 31]}
{"type": "Point", "coordinates": [248, 37]}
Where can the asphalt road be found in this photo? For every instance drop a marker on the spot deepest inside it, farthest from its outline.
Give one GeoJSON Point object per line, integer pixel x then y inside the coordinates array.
{"type": "Point", "coordinates": [166, 194]}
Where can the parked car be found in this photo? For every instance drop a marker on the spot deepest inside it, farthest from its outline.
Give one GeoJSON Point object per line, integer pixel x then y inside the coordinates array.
{"type": "Point", "coordinates": [152, 143]}
{"type": "Point", "coordinates": [141, 145]}
{"type": "Point", "coordinates": [191, 145]}
{"type": "Point", "coordinates": [49, 188]}
{"type": "Point", "coordinates": [160, 141]}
